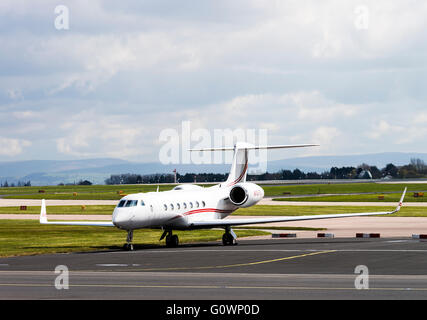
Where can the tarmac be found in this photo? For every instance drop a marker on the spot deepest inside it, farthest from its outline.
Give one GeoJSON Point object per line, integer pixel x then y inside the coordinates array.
{"type": "Point", "coordinates": [256, 269]}
{"type": "Point", "coordinates": [395, 268]}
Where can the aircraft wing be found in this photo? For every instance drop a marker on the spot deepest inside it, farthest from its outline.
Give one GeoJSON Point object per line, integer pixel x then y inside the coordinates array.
{"type": "Point", "coordinates": [239, 222]}
{"type": "Point", "coordinates": [43, 220]}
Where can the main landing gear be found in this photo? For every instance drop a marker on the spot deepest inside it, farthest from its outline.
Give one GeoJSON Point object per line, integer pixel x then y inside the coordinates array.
{"type": "Point", "coordinates": [229, 237]}
{"type": "Point", "coordinates": [172, 240]}
{"type": "Point", "coordinates": [128, 246]}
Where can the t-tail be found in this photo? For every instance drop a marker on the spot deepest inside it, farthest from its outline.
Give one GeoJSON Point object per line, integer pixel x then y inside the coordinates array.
{"type": "Point", "coordinates": [239, 165]}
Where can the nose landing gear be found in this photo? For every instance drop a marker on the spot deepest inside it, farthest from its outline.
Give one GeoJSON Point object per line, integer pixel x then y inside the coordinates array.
{"type": "Point", "coordinates": [128, 246]}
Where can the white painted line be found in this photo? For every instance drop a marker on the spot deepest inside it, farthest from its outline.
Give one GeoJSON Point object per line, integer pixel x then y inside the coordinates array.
{"type": "Point", "coordinates": [275, 250]}
{"type": "Point", "coordinates": [117, 265]}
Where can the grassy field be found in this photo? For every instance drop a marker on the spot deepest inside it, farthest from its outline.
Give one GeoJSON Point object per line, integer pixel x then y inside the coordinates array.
{"type": "Point", "coordinates": [391, 197]}
{"type": "Point", "coordinates": [342, 188]}
{"type": "Point", "coordinates": [83, 189]}
{"type": "Point", "coordinates": [103, 192]}
{"type": "Point", "coordinates": [52, 210]}
{"type": "Point", "coordinates": [78, 192]}
{"type": "Point", "coordinates": [260, 210]}
{"type": "Point", "coordinates": [28, 237]}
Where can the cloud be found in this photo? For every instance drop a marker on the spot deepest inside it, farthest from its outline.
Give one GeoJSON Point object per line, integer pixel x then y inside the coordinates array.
{"type": "Point", "coordinates": [89, 134]}
{"type": "Point", "coordinates": [11, 147]}
{"type": "Point", "coordinates": [383, 128]}
{"type": "Point", "coordinates": [121, 74]}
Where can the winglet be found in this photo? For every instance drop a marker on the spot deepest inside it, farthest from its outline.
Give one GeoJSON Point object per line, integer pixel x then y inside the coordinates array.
{"type": "Point", "coordinates": [43, 216]}
{"type": "Point", "coordinates": [400, 205]}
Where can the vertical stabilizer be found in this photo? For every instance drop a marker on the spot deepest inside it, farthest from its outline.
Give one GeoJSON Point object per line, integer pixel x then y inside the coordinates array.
{"type": "Point", "coordinates": [239, 166]}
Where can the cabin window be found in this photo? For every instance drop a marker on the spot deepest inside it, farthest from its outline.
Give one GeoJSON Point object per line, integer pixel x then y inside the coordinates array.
{"type": "Point", "coordinates": [197, 204]}
{"type": "Point", "coordinates": [203, 204]}
{"type": "Point", "coordinates": [178, 206]}
{"type": "Point", "coordinates": [191, 205]}
{"type": "Point", "coordinates": [121, 203]}
{"type": "Point", "coordinates": [171, 206]}
{"type": "Point", "coordinates": [166, 207]}
{"type": "Point", "coordinates": [185, 205]}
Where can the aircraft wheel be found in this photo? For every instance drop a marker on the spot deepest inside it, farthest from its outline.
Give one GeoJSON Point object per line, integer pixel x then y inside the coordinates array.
{"type": "Point", "coordinates": [227, 239]}
{"type": "Point", "coordinates": [175, 241]}
{"type": "Point", "coordinates": [128, 247]}
{"type": "Point", "coordinates": [172, 241]}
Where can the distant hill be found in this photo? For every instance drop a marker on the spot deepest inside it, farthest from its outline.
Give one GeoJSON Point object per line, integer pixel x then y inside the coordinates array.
{"type": "Point", "coordinates": [321, 163]}
{"type": "Point", "coordinates": [22, 168]}
{"type": "Point", "coordinates": [51, 172]}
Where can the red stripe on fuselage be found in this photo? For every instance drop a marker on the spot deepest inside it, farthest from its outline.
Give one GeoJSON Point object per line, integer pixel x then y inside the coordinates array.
{"type": "Point", "coordinates": [206, 210]}
{"type": "Point", "coordinates": [241, 175]}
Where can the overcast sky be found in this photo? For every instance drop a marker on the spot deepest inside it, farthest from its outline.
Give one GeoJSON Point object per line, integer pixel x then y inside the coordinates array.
{"type": "Point", "coordinates": [350, 76]}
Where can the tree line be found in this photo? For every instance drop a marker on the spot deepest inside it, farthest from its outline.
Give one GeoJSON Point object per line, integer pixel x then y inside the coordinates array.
{"type": "Point", "coordinates": [415, 169]}
{"type": "Point", "coordinates": [5, 184]}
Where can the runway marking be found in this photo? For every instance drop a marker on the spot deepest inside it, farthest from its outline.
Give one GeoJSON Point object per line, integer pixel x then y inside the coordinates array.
{"type": "Point", "coordinates": [269, 250]}
{"type": "Point", "coordinates": [123, 286]}
{"type": "Point", "coordinates": [117, 265]}
{"type": "Point", "coordinates": [238, 264]}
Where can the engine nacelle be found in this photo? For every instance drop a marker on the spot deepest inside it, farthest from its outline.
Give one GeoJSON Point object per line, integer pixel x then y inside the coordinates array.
{"type": "Point", "coordinates": [246, 194]}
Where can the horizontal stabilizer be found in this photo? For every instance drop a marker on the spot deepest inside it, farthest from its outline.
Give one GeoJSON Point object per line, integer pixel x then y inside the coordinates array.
{"type": "Point", "coordinates": [247, 146]}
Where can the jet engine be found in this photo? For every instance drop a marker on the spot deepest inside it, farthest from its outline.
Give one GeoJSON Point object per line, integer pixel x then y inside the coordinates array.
{"type": "Point", "coordinates": [246, 194]}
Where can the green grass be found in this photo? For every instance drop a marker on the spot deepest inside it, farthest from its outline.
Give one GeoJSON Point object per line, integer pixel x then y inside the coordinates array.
{"type": "Point", "coordinates": [342, 188]}
{"type": "Point", "coordinates": [260, 210]}
{"type": "Point", "coordinates": [28, 237]}
{"type": "Point", "coordinates": [91, 189]}
{"type": "Point", "coordinates": [52, 210]}
{"type": "Point", "coordinates": [391, 197]}
{"type": "Point", "coordinates": [107, 192]}
{"type": "Point", "coordinates": [95, 192]}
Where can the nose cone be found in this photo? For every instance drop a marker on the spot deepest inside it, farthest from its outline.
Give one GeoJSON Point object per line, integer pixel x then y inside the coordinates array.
{"type": "Point", "coordinates": [120, 218]}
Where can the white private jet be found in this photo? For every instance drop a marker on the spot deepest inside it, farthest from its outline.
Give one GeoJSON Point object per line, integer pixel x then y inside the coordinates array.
{"type": "Point", "coordinates": [189, 207]}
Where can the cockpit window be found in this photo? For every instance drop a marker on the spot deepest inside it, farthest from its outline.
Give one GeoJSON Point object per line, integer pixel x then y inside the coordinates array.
{"type": "Point", "coordinates": [131, 203]}
{"type": "Point", "coordinates": [121, 203]}
{"type": "Point", "coordinates": [142, 203]}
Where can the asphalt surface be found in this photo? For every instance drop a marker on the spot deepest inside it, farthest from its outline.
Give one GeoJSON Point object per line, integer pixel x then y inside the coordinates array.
{"type": "Point", "coordinates": [256, 270]}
